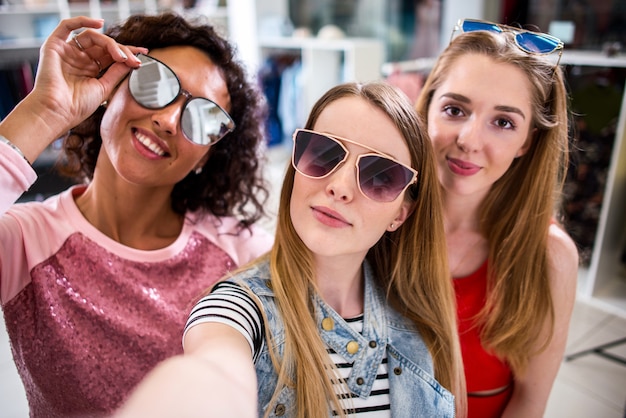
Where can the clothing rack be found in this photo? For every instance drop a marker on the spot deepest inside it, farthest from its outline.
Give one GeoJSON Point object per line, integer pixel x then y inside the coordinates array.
{"type": "Point", "coordinates": [410, 66]}
{"type": "Point", "coordinates": [569, 57]}
{"type": "Point", "coordinates": [600, 350]}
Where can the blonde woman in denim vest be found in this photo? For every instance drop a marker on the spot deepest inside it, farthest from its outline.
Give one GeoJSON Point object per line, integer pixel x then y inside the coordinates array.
{"type": "Point", "coordinates": [352, 311]}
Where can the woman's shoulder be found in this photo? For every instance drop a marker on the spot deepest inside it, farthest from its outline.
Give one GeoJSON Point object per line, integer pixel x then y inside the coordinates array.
{"type": "Point", "coordinates": [562, 255]}
{"type": "Point", "coordinates": [561, 247]}
{"type": "Point", "coordinates": [243, 244]}
{"type": "Point", "coordinates": [55, 216]}
{"type": "Point", "coordinates": [256, 277]}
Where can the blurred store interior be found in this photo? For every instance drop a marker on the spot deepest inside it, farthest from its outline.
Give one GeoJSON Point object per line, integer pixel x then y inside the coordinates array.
{"type": "Point", "coordinates": [297, 49]}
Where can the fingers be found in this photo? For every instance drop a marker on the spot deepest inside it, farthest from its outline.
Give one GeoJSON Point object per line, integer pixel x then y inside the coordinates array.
{"type": "Point", "coordinates": [67, 26]}
{"type": "Point", "coordinates": [104, 49]}
{"type": "Point", "coordinates": [81, 34]}
{"type": "Point", "coordinates": [78, 44]}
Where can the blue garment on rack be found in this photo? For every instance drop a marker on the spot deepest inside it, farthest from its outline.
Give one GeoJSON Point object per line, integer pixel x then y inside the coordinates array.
{"type": "Point", "coordinates": [290, 104]}
{"type": "Point", "coordinates": [269, 77]}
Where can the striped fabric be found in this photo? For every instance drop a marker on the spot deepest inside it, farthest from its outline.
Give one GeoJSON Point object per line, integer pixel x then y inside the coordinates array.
{"type": "Point", "coordinates": [229, 304]}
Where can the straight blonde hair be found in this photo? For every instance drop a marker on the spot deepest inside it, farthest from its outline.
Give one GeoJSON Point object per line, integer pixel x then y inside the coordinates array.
{"type": "Point", "coordinates": [521, 205]}
{"type": "Point", "coordinates": [409, 263]}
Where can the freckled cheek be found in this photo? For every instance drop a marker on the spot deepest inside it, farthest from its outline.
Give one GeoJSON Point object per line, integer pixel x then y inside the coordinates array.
{"type": "Point", "coordinates": [302, 189]}
{"type": "Point", "coordinates": [437, 140]}
{"type": "Point", "coordinates": [297, 213]}
{"type": "Point", "coordinates": [435, 130]}
{"type": "Point", "coordinates": [303, 186]}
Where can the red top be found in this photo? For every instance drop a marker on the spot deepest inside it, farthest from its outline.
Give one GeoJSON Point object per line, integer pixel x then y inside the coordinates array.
{"type": "Point", "coordinates": [483, 371]}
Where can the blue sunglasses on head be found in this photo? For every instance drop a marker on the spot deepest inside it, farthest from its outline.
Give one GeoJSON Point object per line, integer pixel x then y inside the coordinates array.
{"type": "Point", "coordinates": [526, 40]}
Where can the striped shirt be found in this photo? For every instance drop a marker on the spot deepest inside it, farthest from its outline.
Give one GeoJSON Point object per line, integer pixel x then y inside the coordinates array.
{"type": "Point", "coordinates": [230, 304]}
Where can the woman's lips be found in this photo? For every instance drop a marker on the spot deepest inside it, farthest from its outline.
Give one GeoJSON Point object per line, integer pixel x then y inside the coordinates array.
{"type": "Point", "coordinates": [149, 146]}
{"type": "Point", "coordinates": [329, 217]}
{"type": "Point", "coordinates": [462, 168]}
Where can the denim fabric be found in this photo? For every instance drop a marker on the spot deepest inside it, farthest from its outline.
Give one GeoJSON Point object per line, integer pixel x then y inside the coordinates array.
{"type": "Point", "coordinates": [414, 392]}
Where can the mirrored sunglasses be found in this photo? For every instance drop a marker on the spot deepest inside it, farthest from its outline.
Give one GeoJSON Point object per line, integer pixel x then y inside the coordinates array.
{"type": "Point", "coordinates": [379, 177]}
{"type": "Point", "coordinates": [527, 41]}
{"type": "Point", "coordinates": [154, 86]}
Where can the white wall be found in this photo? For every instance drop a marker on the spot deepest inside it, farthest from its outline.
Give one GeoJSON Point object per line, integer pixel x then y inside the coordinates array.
{"type": "Point", "coordinates": [453, 10]}
{"type": "Point", "coordinates": [244, 17]}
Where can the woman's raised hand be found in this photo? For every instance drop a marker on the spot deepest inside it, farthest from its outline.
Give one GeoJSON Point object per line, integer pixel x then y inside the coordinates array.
{"type": "Point", "coordinates": [77, 72]}
{"type": "Point", "coordinates": [67, 80]}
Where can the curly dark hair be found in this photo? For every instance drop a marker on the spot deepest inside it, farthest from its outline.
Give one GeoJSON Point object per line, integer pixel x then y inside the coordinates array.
{"type": "Point", "coordinates": [231, 182]}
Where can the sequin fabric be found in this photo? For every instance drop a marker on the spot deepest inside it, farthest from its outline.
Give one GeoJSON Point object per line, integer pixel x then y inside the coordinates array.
{"type": "Point", "coordinates": [91, 324]}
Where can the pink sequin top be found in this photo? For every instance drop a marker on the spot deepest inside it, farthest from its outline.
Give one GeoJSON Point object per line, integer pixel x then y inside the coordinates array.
{"type": "Point", "coordinates": [88, 317]}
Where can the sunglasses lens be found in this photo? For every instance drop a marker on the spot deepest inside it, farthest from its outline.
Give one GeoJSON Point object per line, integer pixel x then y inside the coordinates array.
{"type": "Point", "coordinates": [153, 85]}
{"type": "Point", "coordinates": [204, 122]}
{"type": "Point", "coordinates": [474, 25]}
{"type": "Point", "coordinates": [316, 155]}
{"type": "Point", "coordinates": [382, 179]}
{"type": "Point", "coordinates": [535, 42]}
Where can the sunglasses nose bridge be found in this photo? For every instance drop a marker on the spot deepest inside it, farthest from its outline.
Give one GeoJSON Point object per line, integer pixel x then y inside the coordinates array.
{"type": "Point", "coordinates": [188, 96]}
{"type": "Point", "coordinates": [168, 118]}
{"type": "Point", "coordinates": [343, 180]}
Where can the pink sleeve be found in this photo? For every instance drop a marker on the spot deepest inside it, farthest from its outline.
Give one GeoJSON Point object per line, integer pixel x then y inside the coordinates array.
{"type": "Point", "coordinates": [16, 176]}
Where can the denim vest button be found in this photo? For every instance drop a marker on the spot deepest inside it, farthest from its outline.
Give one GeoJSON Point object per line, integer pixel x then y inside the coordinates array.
{"type": "Point", "coordinates": [373, 344]}
{"type": "Point", "coordinates": [328, 324]}
{"type": "Point", "coordinates": [397, 371]}
{"type": "Point", "coordinates": [359, 381]}
{"type": "Point", "coordinates": [279, 410]}
{"type": "Point", "coordinates": [352, 347]}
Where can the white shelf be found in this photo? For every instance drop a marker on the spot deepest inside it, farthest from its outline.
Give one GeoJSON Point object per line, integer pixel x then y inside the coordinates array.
{"type": "Point", "coordinates": [24, 28]}
{"type": "Point", "coordinates": [603, 284]}
{"type": "Point", "coordinates": [592, 58]}
{"type": "Point", "coordinates": [606, 279]}
{"type": "Point", "coordinates": [570, 57]}
{"type": "Point", "coordinates": [29, 10]}
{"type": "Point", "coordinates": [326, 63]}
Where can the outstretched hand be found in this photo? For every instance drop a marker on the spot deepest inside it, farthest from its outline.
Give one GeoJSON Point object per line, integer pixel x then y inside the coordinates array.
{"type": "Point", "coordinates": [67, 80]}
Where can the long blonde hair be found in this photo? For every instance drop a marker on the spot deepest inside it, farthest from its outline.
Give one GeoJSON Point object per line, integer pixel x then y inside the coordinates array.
{"type": "Point", "coordinates": [520, 206]}
{"type": "Point", "coordinates": [410, 264]}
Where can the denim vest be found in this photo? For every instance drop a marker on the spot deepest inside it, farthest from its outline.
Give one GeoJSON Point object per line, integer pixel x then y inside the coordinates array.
{"type": "Point", "coordinates": [414, 392]}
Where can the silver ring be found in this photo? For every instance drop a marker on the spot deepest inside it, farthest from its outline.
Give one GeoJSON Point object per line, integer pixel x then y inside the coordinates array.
{"type": "Point", "coordinates": [78, 45]}
{"type": "Point", "coordinates": [98, 64]}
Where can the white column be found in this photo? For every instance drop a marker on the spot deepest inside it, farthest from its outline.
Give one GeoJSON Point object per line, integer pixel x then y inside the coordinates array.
{"type": "Point", "coordinates": [453, 10]}
{"type": "Point", "coordinates": [243, 32]}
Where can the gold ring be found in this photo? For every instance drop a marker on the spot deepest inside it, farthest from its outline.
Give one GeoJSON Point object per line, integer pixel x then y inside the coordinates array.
{"type": "Point", "coordinates": [78, 45]}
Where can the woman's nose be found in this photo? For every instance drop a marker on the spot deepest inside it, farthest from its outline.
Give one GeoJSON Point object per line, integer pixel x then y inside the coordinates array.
{"type": "Point", "coordinates": [342, 183]}
{"type": "Point", "coordinates": [470, 137]}
{"type": "Point", "coordinates": [168, 118]}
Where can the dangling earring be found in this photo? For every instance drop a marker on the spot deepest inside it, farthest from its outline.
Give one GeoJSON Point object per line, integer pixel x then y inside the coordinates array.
{"type": "Point", "coordinates": [198, 170]}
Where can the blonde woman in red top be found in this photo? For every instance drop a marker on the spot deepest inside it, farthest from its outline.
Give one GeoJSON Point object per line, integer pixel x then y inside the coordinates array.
{"type": "Point", "coordinates": [496, 109]}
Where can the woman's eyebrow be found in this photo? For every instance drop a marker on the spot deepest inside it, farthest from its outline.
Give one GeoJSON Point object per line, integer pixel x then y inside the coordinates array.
{"type": "Point", "coordinates": [511, 109]}
{"type": "Point", "coordinates": [501, 108]}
